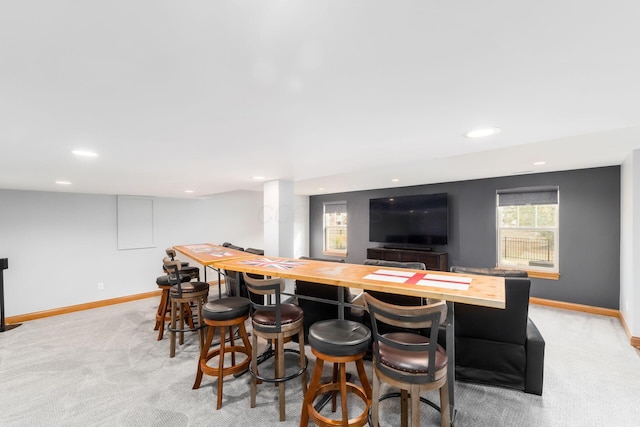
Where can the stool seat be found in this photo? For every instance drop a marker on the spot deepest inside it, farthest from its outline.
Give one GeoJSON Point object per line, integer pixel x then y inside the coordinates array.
{"type": "Point", "coordinates": [410, 361]}
{"type": "Point", "coordinates": [165, 280]}
{"type": "Point", "coordinates": [290, 313]}
{"type": "Point", "coordinates": [189, 288]}
{"type": "Point", "coordinates": [226, 308]}
{"type": "Point", "coordinates": [337, 337]}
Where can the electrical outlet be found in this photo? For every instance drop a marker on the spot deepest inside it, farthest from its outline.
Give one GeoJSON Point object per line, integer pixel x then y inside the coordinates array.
{"type": "Point", "coordinates": [100, 286]}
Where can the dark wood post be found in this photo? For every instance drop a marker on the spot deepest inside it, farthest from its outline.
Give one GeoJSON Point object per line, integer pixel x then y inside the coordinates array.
{"type": "Point", "coordinates": [4, 264]}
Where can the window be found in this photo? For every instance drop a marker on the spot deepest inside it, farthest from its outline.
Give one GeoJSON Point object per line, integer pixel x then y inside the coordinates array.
{"type": "Point", "coordinates": [335, 228]}
{"type": "Point", "coordinates": [527, 230]}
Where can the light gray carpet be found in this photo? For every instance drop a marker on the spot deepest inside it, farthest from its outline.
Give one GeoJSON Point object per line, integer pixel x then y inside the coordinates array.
{"type": "Point", "coordinates": [104, 367]}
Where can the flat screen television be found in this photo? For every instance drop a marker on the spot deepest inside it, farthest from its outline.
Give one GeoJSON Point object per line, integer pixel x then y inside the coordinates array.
{"type": "Point", "coordinates": [409, 220]}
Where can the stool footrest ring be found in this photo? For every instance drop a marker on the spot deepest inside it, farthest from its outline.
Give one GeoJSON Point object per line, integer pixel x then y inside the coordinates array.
{"type": "Point", "coordinates": [194, 329]}
{"type": "Point", "coordinates": [397, 394]}
{"type": "Point", "coordinates": [283, 379]}
{"type": "Point", "coordinates": [226, 370]}
{"type": "Point", "coordinates": [327, 389]}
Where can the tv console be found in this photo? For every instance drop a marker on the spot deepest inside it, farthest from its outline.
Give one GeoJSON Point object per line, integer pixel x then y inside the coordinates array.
{"type": "Point", "coordinates": [433, 260]}
{"type": "Point", "coordinates": [402, 248]}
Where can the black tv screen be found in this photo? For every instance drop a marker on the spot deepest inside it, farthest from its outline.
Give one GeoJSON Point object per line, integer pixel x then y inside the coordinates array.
{"type": "Point", "coordinates": [409, 220]}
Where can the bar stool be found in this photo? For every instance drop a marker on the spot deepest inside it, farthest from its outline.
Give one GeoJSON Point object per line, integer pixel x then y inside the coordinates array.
{"type": "Point", "coordinates": [164, 308]}
{"type": "Point", "coordinates": [339, 342]}
{"type": "Point", "coordinates": [182, 294]}
{"type": "Point", "coordinates": [408, 360]}
{"type": "Point", "coordinates": [276, 322]}
{"type": "Point", "coordinates": [224, 314]}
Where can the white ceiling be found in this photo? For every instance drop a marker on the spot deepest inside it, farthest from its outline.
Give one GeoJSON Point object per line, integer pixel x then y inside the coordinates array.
{"type": "Point", "coordinates": [332, 94]}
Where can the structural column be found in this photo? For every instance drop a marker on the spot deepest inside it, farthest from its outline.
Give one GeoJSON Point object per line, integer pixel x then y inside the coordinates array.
{"type": "Point", "coordinates": [279, 210]}
{"type": "Point", "coordinates": [630, 244]}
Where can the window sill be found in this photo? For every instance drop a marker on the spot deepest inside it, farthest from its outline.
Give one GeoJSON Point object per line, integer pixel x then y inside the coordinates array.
{"type": "Point", "coordinates": [543, 274]}
{"type": "Point", "coordinates": [335, 253]}
{"type": "Point", "coordinates": [537, 274]}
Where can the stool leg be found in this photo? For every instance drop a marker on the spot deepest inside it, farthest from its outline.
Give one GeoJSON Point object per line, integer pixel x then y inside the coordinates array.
{"type": "Point", "coordinates": [163, 310]}
{"type": "Point", "coordinates": [308, 397]}
{"type": "Point", "coordinates": [181, 333]}
{"type": "Point", "coordinates": [280, 374]}
{"type": "Point", "coordinates": [375, 396]}
{"type": "Point", "coordinates": [445, 416]}
{"type": "Point", "coordinates": [363, 378]}
{"type": "Point", "coordinates": [200, 325]}
{"type": "Point", "coordinates": [334, 393]}
{"type": "Point", "coordinates": [160, 313]}
{"type": "Point", "coordinates": [172, 348]}
{"type": "Point", "coordinates": [343, 394]}
{"type": "Point", "coordinates": [303, 362]}
{"type": "Point", "coordinates": [244, 336]}
{"type": "Point", "coordinates": [211, 330]}
{"type": "Point", "coordinates": [403, 408]}
{"type": "Point", "coordinates": [231, 341]}
{"type": "Point", "coordinates": [188, 315]}
{"type": "Point", "coordinates": [254, 365]}
{"type": "Point", "coordinates": [221, 368]}
{"type": "Point", "coordinates": [415, 405]}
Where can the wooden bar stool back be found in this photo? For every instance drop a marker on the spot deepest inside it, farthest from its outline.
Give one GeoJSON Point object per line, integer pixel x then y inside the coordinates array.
{"type": "Point", "coordinates": [276, 322]}
{"type": "Point", "coordinates": [185, 268]}
{"type": "Point", "coordinates": [408, 360]}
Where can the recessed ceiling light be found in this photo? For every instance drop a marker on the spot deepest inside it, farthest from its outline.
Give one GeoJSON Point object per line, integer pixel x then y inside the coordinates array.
{"type": "Point", "coordinates": [85, 153]}
{"type": "Point", "coordinates": [320, 188]}
{"type": "Point", "coordinates": [60, 182]}
{"type": "Point", "coordinates": [188, 191]}
{"type": "Point", "coordinates": [258, 178]}
{"type": "Point", "coordinates": [481, 133]}
{"type": "Point", "coordinates": [395, 180]}
{"type": "Point", "coordinates": [540, 163]}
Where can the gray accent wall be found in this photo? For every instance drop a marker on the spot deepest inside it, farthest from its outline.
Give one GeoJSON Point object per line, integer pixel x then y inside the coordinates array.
{"type": "Point", "coordinates": [589, 229]}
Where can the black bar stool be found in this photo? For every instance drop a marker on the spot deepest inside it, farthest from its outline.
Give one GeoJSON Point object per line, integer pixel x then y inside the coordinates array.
{"type": "Point", "coordinates": [339, 342]}
{"type": "Point", "coordinates": [163, 315]}
{"type": "Point", "coordinates": [182, 295]}
{"type": "Point", "coordinates": [224, 314]}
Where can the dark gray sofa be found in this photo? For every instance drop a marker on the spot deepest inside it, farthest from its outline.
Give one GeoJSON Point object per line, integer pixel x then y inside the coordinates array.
{"type": "Point", "coordinates": [500, 347]}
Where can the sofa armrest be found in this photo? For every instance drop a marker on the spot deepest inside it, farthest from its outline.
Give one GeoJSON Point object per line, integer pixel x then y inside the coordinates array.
{"type": "Point", "coordinates": [535, 360]}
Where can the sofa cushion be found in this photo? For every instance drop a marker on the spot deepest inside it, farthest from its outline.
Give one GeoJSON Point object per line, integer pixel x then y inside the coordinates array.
{"type": "Point", "coordinates": [489, 362]}
{"type": "Point", "coordinates": [507, 325]}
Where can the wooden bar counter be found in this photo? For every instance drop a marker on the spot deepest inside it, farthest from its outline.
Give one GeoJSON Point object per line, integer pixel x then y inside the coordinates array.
{"type": "Point", "coordinates": [485, 291]}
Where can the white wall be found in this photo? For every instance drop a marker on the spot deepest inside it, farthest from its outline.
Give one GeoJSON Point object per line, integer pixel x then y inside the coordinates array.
{"type": "Point", "coordinates": [61, 245]}
{"type": "Point", "coordinates": [630, 242]}
{"type": "Point", "coordinates": [301, 227]}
